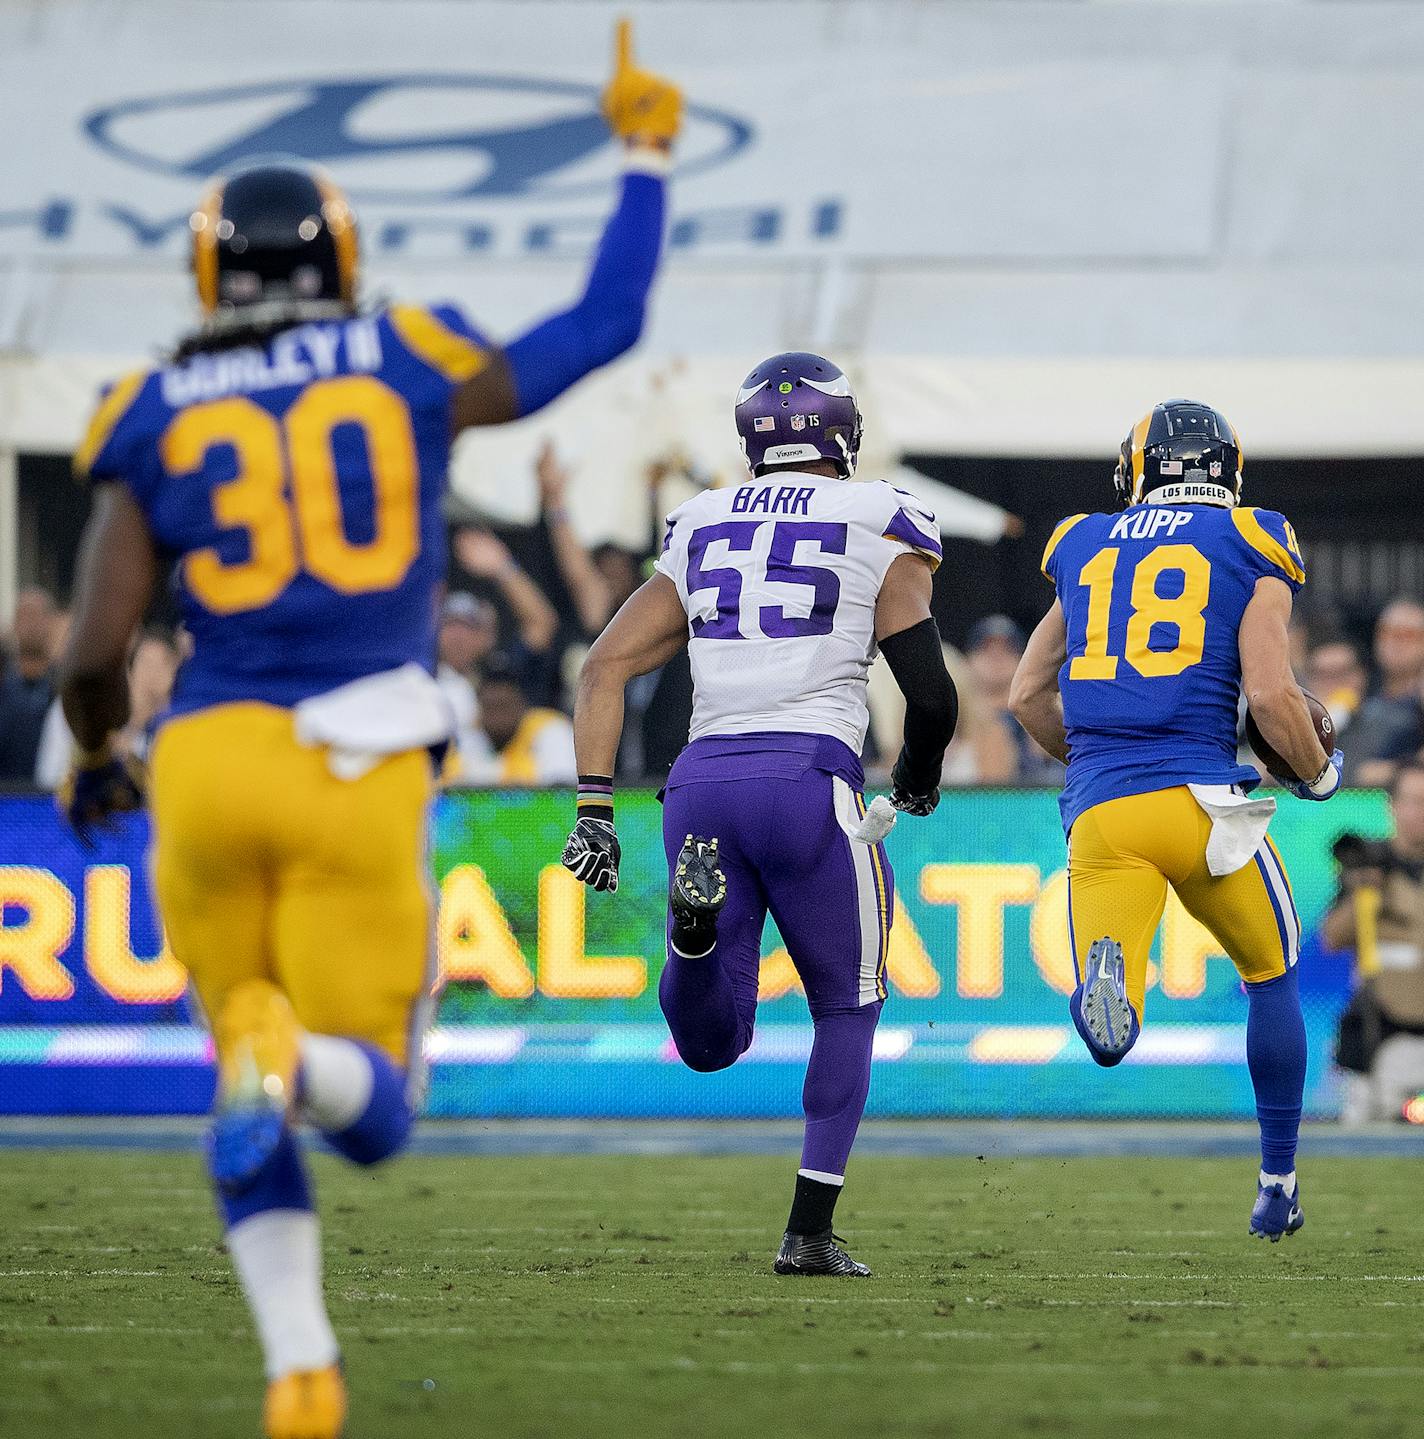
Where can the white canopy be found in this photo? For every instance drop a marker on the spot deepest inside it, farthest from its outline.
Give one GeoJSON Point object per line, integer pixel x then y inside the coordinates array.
{"type": "Point", "coordinates": [1022, 224]}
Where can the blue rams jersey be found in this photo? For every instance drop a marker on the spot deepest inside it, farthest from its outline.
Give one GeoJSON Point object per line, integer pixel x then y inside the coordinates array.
{"type": "Point", "coordinates": [1152, 602]}
{"type": "Point", "coordinates": [297, 487]}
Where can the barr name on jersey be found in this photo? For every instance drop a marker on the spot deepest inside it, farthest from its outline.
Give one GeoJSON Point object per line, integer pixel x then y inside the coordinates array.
{"type": "Point", "coordinates": [772, 499]}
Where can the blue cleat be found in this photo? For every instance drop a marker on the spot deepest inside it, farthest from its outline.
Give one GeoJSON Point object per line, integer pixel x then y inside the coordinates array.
{"type": "Point", "coordinates": [1101, 1011]}
{"type": "Point", "coordinates": [1276, 1213]}
{"type": "Point", "coordinates": [257, 1039]}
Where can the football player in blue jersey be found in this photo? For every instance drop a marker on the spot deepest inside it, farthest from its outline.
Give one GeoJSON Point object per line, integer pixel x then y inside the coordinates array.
{"type": "Point", "coordinates": [290, 459]}
{"type": "Point", "coordinates": [1165, 613]}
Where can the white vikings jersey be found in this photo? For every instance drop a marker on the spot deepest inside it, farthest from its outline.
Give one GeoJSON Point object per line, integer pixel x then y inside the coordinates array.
{"type": "Point", "coordinates": [779, 577]}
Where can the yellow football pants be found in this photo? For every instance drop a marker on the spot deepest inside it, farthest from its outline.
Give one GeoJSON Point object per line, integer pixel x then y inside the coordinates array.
{"type": "Point", "coordinates": [268, 866]}
{"type": "Point", "coordinates": [1123, 854]}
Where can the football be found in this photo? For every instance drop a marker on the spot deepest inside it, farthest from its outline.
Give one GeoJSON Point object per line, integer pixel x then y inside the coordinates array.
{"type": "Point", "coordinates": [1324, 732]}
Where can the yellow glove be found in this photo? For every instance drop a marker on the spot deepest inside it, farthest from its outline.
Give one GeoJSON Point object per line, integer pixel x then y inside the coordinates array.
{"type": "Point", "coordinates": [640, 107]}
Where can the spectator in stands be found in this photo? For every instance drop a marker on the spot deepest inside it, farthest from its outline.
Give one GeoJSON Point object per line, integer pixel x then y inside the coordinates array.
{"type": "Point", "coordinates": [995, 646]}
{"type": "Point", "coordinates": [26, 687]}
{"type": "Point", "coordinates": [530, 650]}
{"type": "Point", "coordinates": [658, 704]}
{"type": "Point", "coordinates": [152, 670]}
{"type": "Point", "coordinates": [588, 588]}
{"type": "Point", "coordinates": [1336, 675]}
{"type": "Point", "coordinates": [1390, 724]}
{"type": "Point", "coordinates": [469, 630]}
{"type": "Point", "coordinates": [622, 572]}
{"type": "Point", "coordinates": [519, 743]}
{"type": "Point", "coordinates": [983, 750]}
{"type": "Point", "coordinates": [1378, 914]}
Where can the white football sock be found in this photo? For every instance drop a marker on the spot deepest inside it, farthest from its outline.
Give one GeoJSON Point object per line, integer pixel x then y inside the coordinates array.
{"type": "Point", "coordinates": [1286, 1181]}
{"type": "Point", "coordinates": [337, 1080]}
{"type": "Point", "coordinates": [821, 1177]}
{"type": "Point", "coordinates": [277, 1255]}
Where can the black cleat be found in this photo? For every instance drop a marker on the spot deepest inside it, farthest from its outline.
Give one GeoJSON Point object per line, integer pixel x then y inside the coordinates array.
{"type": "Point", "coordinates": [696, 896]}
{"type": "Point", "coordinates": [817, 1254]}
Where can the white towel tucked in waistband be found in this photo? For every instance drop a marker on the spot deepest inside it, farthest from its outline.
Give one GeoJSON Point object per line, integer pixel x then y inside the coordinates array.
{"type": "Point", "coordinates": [1238, 825]}
{"type": "Point", "coordinates": [382, 714]}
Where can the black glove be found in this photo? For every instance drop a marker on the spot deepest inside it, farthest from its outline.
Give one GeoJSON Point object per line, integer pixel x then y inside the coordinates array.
{"type": "Point", "coordinates": [908, 797]}
{"type": "Point", "coordinates": [93, 792]}
{"type": "Point", "coordinates": [593, 852]}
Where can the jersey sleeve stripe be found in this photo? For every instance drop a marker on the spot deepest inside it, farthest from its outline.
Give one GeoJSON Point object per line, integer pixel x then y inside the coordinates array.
{"type": "Point", "coordinates": [904, 529]}
{"type": "Point", "coordinates": [1261, 539]}
{"type": "Point", "coordinates": [1055, 539]}
{"type": "Point", "coordinates": [112, 408]}
{"type": "Point", "coordinates": [451, 354]}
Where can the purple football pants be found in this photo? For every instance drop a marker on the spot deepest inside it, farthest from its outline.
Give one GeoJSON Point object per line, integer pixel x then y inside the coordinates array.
{"type": "Point", "coordinates": [783, 846]}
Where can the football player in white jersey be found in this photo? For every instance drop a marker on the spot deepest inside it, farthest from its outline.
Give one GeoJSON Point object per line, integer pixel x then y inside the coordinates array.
{"type": "Point", "coordinates": [782, 588]}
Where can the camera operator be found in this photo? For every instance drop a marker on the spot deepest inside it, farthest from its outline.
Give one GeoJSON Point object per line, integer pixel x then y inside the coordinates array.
{"type": "Point", "coordinates": [1379, 914]}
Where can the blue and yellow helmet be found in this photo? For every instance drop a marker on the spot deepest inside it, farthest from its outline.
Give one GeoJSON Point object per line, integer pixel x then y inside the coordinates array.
{"type": "Point", "coordinates": [1180, 452]}
{"type": "Point", "coordinates": [278, 237]}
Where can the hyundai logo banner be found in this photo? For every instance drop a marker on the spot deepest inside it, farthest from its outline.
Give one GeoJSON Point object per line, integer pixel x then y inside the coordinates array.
{"type": "Point", "coordinates": [473, 129]}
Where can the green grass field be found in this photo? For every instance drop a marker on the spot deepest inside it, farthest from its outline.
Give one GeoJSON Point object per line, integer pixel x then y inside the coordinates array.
{"type": "Point", "coordinates": [593, 1297]}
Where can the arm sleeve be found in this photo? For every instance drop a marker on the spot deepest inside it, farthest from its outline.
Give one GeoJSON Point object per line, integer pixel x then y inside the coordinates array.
{"type": "Point", "coordinates": [1273, 547]}
{"type": "Point", "coordinates": [931, 704]}
{"type": "Point", "coordinates": [608, 317]}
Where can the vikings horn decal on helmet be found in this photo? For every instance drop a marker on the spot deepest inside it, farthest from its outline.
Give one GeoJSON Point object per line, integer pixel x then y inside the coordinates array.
{"type": "Point", "coordinates": [275, 239]}
{"type": "Point", "coordinates": [795, 408]}
{"type": "Point", "coordinates": [1181, 452]}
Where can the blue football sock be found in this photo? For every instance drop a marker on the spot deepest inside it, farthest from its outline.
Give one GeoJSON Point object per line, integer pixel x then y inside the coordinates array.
{"type": "Point", "coordinates": [281, 1183]}
{"type": "Point", "coordinates": [383, 1126]}
{"type": "Point", "coordinates": [1275, 1055]}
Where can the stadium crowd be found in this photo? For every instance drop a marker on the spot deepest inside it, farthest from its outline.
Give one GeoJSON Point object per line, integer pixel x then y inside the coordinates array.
{"type": "Point", "coordinates": [522, 606]}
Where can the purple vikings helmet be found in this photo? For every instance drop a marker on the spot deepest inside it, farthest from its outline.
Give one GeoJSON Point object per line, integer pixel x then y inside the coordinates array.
{"type": "Point", "coordinates": [794, 408]}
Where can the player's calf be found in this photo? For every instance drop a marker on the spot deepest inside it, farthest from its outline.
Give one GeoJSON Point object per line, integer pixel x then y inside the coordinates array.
{"type": "Point", "coordinates": [1101, 1010]}
{"type": "Point", "coordinates": [258, 1052]}
{"type": "Point", "coordinates": [357, 1096]}
{"type": "Point", "coordinates": [696, 894]}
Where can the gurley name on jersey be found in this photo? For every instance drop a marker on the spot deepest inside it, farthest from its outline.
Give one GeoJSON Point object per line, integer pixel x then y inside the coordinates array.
{"type": "Point", "coordinates": [295, 357]}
